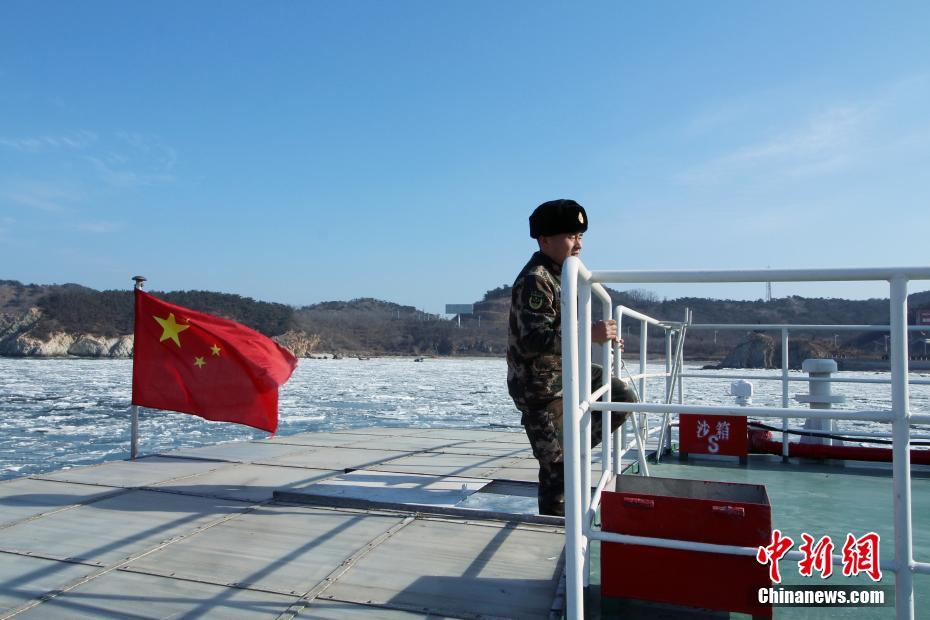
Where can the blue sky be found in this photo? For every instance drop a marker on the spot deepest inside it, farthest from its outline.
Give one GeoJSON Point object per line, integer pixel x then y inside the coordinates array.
{"type": "Point", "coordinates": [309, 151]}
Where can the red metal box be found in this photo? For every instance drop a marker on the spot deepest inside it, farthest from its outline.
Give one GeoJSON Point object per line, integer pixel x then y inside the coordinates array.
{"type": "Point", "coordinates": [693, 510]}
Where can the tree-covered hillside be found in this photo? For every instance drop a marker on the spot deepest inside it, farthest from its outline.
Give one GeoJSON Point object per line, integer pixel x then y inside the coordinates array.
{"type": "Point", "coordinates": [369, 326]}
{"type": "Point", "coordinates": [110, 313]}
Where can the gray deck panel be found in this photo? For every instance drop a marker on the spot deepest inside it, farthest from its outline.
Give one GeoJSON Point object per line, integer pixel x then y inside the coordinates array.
{"type": "Point", "coordinates": [523, 463]}
{"type": "Point", "coordinates": [239, 451]}
{"type": "Point", "coordinates": [284, 549]}
{"type": "Point", "coordinates": [393, 431]}
{"type": "Point", "coordinates": [141, 472]}
{"type": "Point", "coordinates": [371, 442]}
{"type": "Point", "coordinates": [23, 578]}
{"type": "Point", "coordinates": [515, 473]}
{"type": "Point", "coordinates": [458, 568]}
{"type": "Point", "coordinates": [121, 594]}
{"type": "Point", "coordinates": [532, 464]}
{"type": "Point", "coordinates": [322, 609]}
{"type": "Point", "coordinates": [443, 464]}
{"type": "Point", "coordinates": [318, 439]}
{"type": "Point", "coordinates": [26, 497]}
{"type": "Point", "coordinates": [380, 486]}
{"type": "Point", "coordinates": [474, 435]}
{"type": "Point", "coordinates": [487, 448]}
{"type": "Point", "coordinates": [438, 470]}
{"type": "Point", "coordinates": [112, 529]}
{"type": "Point", "coordinates": [527, 469]}
{"type": "Point", "coordinates": [246, 482]}
{"type": "Point", "coordinates": [407, 444]}
{"type": "Point", "coordinates": [337, 458]}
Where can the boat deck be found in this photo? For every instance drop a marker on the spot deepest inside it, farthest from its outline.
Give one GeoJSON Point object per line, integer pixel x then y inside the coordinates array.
{"type": "Point", "coordinates": [376, 522]}
{"type": "Point", "coordinates": [388, 523]}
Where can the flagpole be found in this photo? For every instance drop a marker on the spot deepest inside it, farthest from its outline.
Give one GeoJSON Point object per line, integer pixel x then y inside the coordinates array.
{"type": "Point", "coordinates": [134, 442]}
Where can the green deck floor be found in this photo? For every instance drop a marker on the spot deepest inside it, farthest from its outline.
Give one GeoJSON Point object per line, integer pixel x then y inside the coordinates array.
{"type": "Point", "coordinates": [820, 500]}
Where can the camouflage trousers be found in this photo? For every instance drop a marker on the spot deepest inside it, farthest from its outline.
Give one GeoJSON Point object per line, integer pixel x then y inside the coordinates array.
{"type": "Point", "coordinates": [544, 429]}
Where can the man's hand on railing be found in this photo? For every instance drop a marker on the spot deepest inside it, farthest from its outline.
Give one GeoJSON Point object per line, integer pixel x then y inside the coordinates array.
{"type": "Point", "coordinates": [604, 331]}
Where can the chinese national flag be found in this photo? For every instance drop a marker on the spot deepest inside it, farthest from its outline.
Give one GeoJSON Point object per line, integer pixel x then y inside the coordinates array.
{"type": "Point", "coordinates": [197, 363]}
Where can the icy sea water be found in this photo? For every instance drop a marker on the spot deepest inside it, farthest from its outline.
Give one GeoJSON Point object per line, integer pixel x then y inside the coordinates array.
{"type": "Point", "coordinates": [59, 413]}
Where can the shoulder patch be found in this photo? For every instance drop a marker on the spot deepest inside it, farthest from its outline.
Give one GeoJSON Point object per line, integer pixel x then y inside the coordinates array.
{"type": "Point", "coordinates": [536, 300]}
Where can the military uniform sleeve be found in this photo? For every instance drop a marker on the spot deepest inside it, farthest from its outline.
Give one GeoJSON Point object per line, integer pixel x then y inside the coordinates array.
{"type": "Point", "coordinates": [539, 324]}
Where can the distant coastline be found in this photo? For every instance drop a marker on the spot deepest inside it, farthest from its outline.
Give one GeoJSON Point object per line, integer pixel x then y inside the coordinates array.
{"type": "Point", "coordinates": [71, 320]}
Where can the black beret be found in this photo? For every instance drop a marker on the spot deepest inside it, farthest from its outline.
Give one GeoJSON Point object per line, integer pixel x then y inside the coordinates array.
{"type": "Point", "coordinates": [557, 217]}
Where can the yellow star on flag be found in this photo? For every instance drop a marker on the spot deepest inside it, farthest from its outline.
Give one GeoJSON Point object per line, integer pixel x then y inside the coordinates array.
{"type": "Point", "coordinates": [199, 363]}
{"type": "Point", "coordinates": [216, 350]}
{"type": "Point", "coordinates": [171, 328]}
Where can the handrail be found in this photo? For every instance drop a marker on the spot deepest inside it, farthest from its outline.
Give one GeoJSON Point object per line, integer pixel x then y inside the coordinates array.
{"type": "Point", "coordinates": [693, 375]}
{"type": "Point", "coordinates": [710, 276]}
{"type": "Point", "coordinates": [578, 284]}
{"type": "Point", "coordinates": [803, 328]}
{"type": "Point", "coordinates": [759, 412]}
{"type": "Point", "coordinates": [625, 311]}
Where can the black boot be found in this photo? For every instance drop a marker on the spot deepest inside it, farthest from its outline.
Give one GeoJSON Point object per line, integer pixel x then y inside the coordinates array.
{"type": "Point", "coordinates": [553, 506]}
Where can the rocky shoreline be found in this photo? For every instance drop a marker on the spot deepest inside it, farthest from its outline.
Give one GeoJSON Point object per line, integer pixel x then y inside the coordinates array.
{"type": "Point", "coordinates": [760, 350]}
{"type": "Point", "coordinates": [23, 336]}
{"type": "Point", "coordinates": [17, 340]}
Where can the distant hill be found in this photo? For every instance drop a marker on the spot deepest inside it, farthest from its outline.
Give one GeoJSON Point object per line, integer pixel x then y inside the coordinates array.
{"type": "Point", "coordinates": [371, 326]}
{"type": "Point", "coordinates": [110, 313]}
{"type": "Point", "coordinates": [16, 298]}
{"type": "Point", "coordinates": [701, 344]}
{"type": "Point", "coordinates": [71, 319]}
{"type": "Point", "coordinates": [76, 320]}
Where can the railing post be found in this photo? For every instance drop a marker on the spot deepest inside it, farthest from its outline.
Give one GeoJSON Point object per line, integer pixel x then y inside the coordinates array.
{"type": "Point", "coordinates": [574, 560]}
{"type": "Point", "coordinates": [619, 439]}
{"type": "Point", "coordinates": [681, 358]}
{"type": "Point", "coordinates": [606, 374]}
{"type": "Point", "coordinates": [584, 373]}
{"type": "Point", "coordinates": [134, 409]}
{"type": "Point", "coordinates": [669, 380]}
{"type": "Point", "coordinates": [643, 340]}
{"type": "Point", "coordinates": [900, 404]}
{"type": "Point", "coordinates": [784, 392]}
{"type": "Point", "coordinates": [643, 337]}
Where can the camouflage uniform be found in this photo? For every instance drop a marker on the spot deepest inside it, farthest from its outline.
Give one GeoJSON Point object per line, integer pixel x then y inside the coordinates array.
{"type": "Point", "coordinates": [534, 374]}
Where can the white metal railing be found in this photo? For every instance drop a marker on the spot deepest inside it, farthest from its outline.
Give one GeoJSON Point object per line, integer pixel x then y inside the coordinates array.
{"type": "Point", "coordinates": [785, 331]}
{"type": "Point", "coordinates": [579, 285]}
{"type": "Point", "coordinates": [674, 356]}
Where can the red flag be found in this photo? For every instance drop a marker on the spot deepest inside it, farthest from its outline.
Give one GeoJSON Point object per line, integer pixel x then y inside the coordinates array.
{"type": "Point", "coordinates": [197, 363]}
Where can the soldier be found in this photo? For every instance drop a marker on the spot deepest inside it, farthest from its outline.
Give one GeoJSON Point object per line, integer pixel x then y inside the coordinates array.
{"type": "Point", "coordinates": [534, 354]}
